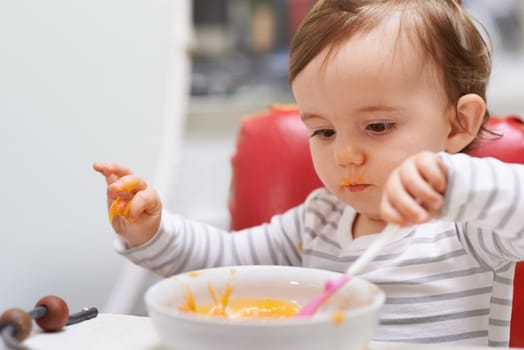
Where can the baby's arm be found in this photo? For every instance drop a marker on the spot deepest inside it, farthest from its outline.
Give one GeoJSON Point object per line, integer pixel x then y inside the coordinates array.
{"type": "Point", "coordinates": [485, 200]}
{"type": "Point", "coordinates": [141, 219]}
{"type": "Point", "coordinates": [485, 192]}
{"type": "Point", "coordinates": [456, 187]}
{"type": "Point", "coordinates": [414, 191]}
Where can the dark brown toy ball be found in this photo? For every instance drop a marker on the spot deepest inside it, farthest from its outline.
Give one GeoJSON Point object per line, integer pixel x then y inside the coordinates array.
{"type": "Point", "coordinates": [56, 316]}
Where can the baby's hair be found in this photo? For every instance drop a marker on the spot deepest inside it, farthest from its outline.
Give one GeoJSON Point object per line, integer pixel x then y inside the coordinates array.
{"type": "Point", "coordinates": [446, 34]}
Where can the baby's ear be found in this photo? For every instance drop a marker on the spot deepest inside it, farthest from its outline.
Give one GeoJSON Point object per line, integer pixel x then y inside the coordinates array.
{"type": "Point", "coordinates": [465, 125]}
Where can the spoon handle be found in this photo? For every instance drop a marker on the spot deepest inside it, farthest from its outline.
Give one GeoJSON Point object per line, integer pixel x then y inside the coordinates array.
{"type": "Point", "coordinates": [333, 285]}
{"type": "Point", "coordinates": [372, 251]}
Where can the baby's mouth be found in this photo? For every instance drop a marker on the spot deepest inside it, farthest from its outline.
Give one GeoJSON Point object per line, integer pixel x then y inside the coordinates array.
{"type": "Point", "coordinates": [353, 185]}
{"type": "Point", "coordinates": [352, 182]}
{"type": "Point", "coordinates": [356, 188]}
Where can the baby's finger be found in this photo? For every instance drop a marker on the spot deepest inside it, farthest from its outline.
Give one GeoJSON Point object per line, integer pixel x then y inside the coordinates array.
{"type": "Point", "coordinates": [434, 171]}
{"type": "Point", "coordinates": [390, 215]}
{"type": "Point", "coordinates": [419, 189]}
{"type": "Point", "coordinates": [127, 186]}
{"type": "Point", "coordinates": [111, 171]}
{"type": "Point", "coordinates": [144, 202]}
{"type": "Point", "coordinates": [402, 200]}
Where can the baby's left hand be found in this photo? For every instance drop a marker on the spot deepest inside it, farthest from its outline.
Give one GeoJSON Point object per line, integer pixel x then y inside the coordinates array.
{"type": "Point", "coordinates": [414, 191]}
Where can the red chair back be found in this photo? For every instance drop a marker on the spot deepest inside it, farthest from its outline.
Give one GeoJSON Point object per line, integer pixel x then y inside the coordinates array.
{"type": "Point", "coordinates": [272, 171]}
{"type": "Point", "coordinates": [272, 167]}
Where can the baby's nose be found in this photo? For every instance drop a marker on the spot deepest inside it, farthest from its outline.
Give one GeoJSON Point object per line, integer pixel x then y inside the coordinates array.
{"type": "Point", "coordinates": [347, 155]}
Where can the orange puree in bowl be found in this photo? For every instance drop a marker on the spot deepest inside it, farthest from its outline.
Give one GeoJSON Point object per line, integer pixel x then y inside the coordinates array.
{"type": "Point", "coordinates": [239, 307]}
{"type": "Point", "coordinates": [251, 307]}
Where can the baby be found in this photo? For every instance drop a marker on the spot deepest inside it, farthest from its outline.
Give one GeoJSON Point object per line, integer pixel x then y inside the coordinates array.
{"type": "Point", "coordinates": [392, 93]}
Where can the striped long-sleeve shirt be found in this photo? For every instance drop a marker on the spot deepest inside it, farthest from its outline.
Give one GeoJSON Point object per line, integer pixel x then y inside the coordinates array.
{"type": "Point", "coordinates": [449, 280]}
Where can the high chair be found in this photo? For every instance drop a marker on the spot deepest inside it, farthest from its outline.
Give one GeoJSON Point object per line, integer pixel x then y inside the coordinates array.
{"type": "Point", "coordinates": [272, 172]}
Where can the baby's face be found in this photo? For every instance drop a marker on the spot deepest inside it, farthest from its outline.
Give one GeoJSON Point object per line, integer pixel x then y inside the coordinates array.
{"type": "Point", "coordinates": [373, 103]}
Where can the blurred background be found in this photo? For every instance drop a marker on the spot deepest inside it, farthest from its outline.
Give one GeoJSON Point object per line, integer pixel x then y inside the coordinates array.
{"type": "Point", "coordinates": [159, 86]}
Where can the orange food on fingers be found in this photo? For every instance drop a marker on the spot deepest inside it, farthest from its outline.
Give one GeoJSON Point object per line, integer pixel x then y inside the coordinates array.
{"type": "Point", "coordinates": [119, 207]}
{"type": "Point", "coordinates": [130, 185]}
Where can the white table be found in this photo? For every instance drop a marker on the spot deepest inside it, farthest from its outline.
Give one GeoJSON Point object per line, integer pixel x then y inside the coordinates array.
{"type": "Point", "coordinates": [104, 332]}
{"type": "Point", "coordinates": [124, 332]}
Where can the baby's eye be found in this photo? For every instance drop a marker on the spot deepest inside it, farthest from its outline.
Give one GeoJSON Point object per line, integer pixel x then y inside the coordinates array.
{"type": "Point", "coordinates": [380, 127]}
{"type": "Point", "coordinates": [324, 133]}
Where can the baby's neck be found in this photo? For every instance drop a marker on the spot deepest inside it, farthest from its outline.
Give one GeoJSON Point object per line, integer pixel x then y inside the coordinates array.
{"type": "Point", "coordinates": [364, 225]}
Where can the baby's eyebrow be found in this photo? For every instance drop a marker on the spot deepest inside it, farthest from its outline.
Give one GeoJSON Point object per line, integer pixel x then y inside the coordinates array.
{"type": "Point", "coordinates": [306, 116]}
{"type": "Point", "coordinates": [379, 108]}
{"type": "Point", "coordinates": [363, 109]}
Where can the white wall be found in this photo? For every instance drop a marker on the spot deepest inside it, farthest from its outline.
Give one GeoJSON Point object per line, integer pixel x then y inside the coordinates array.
{"type": "Point", "coordinates": [80, 81]}
{"type": "Point", "coordinates": [506, 86]}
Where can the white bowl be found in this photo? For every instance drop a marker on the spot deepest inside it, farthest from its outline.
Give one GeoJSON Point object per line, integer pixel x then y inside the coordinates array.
{"type": "Point", "coordinates": [359, 300]}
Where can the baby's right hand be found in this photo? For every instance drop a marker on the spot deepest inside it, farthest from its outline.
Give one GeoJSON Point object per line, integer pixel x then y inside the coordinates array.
{"type": "Point", "coordinates": [140, 220]}
{"type": "Point", "coordinates": [414, 191]}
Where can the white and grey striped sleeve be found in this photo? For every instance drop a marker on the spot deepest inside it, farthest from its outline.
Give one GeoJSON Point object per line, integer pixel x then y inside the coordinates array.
{"type": "Point", "coordinates": [184, 245]}
{"type": "Point", "coordinates": [485, 197]}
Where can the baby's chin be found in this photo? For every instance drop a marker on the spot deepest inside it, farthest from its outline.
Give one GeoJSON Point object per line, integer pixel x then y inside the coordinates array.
{"type": "Point", "coordinates": [369, 210]}
{"type": "Point", "coordinates": [365, 201]}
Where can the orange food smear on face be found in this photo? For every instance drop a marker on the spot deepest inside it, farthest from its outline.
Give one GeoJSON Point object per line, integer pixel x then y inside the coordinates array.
{"type": "Point", "coordinates": [360, 179]}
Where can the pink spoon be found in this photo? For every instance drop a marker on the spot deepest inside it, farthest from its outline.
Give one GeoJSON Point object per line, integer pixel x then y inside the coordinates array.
{"type": "Point", "coordinates": [334, 285]}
